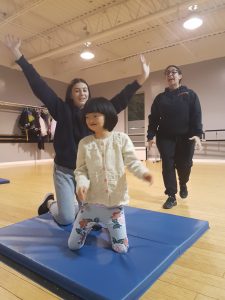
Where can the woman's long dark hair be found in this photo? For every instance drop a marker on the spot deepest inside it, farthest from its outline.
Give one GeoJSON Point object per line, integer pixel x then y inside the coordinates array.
{"type": "Point", "coordinates": [69, 98]}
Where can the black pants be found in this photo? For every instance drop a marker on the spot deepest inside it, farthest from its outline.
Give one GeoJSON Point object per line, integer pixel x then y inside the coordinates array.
{"type": "Point", "coordinates": [176, 154]}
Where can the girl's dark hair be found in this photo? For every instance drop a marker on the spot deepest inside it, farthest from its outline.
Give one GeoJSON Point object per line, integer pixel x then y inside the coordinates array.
{"type": "Point", "coordinates": [69, 98]}
{"type": "Point", "coordinates": [103, 106]}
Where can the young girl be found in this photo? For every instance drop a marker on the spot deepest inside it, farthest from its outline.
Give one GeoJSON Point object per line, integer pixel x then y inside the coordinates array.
{"type": "Point", "coordinates": [101, 178]}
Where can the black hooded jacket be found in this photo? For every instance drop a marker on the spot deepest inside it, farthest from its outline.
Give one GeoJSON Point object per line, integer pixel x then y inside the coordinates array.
{"type": "Point", "coordinates": [174, 113]}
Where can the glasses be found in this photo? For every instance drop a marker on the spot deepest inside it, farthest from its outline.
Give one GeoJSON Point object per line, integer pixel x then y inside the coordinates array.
{"type": "Point", "coordinates": [173, 72]}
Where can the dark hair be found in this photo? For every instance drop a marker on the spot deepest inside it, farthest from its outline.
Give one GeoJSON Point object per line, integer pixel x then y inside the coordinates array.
{"type": "Point", "coordinates": [69, 98]}
{"type": "Point", "coordinates": [103, 106]}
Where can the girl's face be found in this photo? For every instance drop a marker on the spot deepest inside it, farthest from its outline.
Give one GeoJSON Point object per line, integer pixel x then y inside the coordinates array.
{"type": "Point", "coordinates": [80, 94]}
{"type": "Point", "coordinates": [95, 122]}
{"type": "Point", "coordinates": [173, 78]}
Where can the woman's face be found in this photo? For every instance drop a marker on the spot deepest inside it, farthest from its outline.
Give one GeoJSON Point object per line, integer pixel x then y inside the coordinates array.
{"type": "Point", "coordinates": [80, 94]}
{"type": "Point", "coordinates": [173, 78]}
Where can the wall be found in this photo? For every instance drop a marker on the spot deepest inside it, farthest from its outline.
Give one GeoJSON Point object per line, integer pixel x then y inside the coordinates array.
{"type": "Point", "coordinates": [15, 89]}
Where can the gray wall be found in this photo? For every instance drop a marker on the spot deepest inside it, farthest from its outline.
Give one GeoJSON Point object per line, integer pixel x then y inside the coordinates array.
{"type": "Point", "coordinates": [16, 90]}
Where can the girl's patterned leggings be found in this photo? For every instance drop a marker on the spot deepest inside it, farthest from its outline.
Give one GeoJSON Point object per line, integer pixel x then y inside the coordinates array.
{"type": "Point", "coordinates": [111, 217]}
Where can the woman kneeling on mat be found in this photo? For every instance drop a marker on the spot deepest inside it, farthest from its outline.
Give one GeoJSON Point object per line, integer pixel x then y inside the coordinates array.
{"type": "Point", "coordinates": [101, 178]}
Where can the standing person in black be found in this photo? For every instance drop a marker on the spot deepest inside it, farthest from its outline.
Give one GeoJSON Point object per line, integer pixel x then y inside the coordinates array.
{"type": "Point", "coordinates": [176, 121]}
{"type": "Point", "coordinates": [69, 130]}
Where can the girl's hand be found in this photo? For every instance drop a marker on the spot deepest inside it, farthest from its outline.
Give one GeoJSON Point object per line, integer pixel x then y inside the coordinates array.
{"type": "Point", "coordinates": [82, 193]}
{"type": "Point", "coordinates": [14, 45]}
{"type": "Point", "coordinates": [148, 177]}
{"type": "Point", "coordinates": [145, 70]}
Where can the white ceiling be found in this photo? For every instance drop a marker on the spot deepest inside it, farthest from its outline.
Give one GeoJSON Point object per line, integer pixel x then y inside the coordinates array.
{"type": "Point", "coordinates": [53, 33]}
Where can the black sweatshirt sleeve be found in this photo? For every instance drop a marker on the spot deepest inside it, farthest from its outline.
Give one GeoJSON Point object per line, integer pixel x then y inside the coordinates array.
{"type": "Point", "coordinates": [195, 116]}
{"type": "Point", "coordinates": [121, 100]}
{"type": "Point", "coordinates": [153, 119]}
{"type": "Point", "coordinates": [40, 88]}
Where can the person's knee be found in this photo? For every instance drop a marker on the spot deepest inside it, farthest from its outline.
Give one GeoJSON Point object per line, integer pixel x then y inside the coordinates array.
{"type": "Point", "coordinates": [73, 245]}
{"type": "Point", "coordinates": [184, 166]}
{"type": "Point", "coordinates": [64, 214]}
{"type": "Point", "coordinates": [65, 218]}
{"type": "Point", "coordinates": [65, 221]}
{"type": "Point", "coordinates": [120, 248]}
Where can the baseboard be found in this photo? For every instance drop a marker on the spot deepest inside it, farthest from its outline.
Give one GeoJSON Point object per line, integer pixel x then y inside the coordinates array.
{"type": "Point", "coordinates": [199, 160]}
{"type": "Point", "coordinates": [26, 162]}
{"type": "Point", "coordinates": [209, 161]}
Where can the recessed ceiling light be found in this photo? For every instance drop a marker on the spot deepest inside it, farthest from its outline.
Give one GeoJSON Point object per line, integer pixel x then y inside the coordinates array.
{"type": "Point", "coordinates": [86, 54]}
{"type": "Point", "coordinates": [192, 23]}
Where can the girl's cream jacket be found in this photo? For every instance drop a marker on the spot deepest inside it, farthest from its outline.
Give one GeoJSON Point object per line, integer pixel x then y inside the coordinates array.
{"type": "Point", "coordinates": [101, 168]}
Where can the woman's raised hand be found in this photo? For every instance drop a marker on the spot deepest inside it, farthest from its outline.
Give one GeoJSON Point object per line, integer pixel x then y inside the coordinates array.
{"type": "Point", "coordinates": [14, 45]}
{"type": "Point", "coordinates": [145, 70]}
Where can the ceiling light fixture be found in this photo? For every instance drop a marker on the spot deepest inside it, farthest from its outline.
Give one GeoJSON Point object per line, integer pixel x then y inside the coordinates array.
{"type": "Point", "coordinates": [193, 22]}
{"type": "Point", "coordinates": [87, 54]}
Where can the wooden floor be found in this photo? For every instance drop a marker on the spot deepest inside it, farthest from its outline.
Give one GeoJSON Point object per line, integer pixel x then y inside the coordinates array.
{"type": "Point", "coordinates": [198, 274]}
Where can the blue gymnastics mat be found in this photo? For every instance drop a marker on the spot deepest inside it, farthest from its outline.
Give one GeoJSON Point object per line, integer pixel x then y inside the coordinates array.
{"type": "Point", "coordinates": [95, 272]}
{"type": "Point", "coordinates": [2, 181]}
